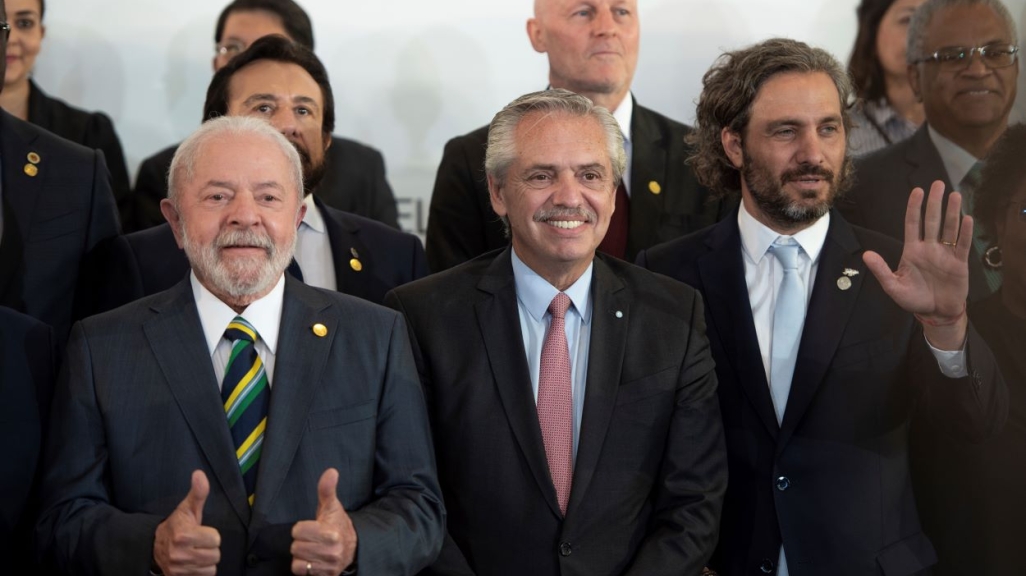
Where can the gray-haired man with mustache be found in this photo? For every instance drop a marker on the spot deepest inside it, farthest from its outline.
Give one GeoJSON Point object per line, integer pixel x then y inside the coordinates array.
{"type": "Point", "coordinates": [573, 397]}
{"type": "Point", "coordinates": [241, 421]}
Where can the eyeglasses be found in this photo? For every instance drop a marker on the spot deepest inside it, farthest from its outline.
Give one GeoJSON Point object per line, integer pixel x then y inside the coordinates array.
{"type": "Point", "coordinates": [957, 58]}
{"type": "Point", "coordinates": [6, 29]}
{"type": "Point", "coordinates": [229, 49]}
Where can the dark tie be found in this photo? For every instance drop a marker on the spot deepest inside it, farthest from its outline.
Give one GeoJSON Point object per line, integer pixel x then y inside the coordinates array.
{"type": "Point", "coordinates": [555, 401]}
{"type": "Point", "coordinates": [246, 395]}
{"type": "Point", "coordinates": [294, 269]}
{"type": "Point", "coordinates": [615, 241]}
{"type": "Point", "coordinates": [969, 185]}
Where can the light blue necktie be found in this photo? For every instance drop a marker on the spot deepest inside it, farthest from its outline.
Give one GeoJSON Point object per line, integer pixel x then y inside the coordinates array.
{"type": "Point", "coordinates": [788, 321]}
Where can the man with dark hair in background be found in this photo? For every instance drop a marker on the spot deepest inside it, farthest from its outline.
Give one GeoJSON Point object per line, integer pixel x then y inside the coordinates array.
{"type": "Point", "coordinates": [354, 175]}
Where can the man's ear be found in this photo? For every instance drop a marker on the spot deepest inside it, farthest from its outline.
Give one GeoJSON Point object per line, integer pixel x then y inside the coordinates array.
{"type": "Point", "coordinates": [327, 141]}
{"type": "Point", "coordinates": [302, 210]}
{"type": "Point", "coordinates": [732, 147]}
{"type": "Point", "coordinates": [167, 208]}
{"type": "Point", "coordinates": [534, 34]}
{"type": "Point", "coordinates": [495, 194]}
{"type": "Point", "coordinates": [913, 81]}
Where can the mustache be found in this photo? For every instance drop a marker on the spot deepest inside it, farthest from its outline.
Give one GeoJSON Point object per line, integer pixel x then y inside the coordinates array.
{"type": "Point", "coordinates": [806, 170]}
{"type": "Point", "coordinates": [244, 238]}
{"type": "Point", "coordinates": [563, 213]}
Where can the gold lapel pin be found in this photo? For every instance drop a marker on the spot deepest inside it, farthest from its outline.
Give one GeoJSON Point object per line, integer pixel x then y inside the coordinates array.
{"type": "Point", "coordinates": [844, 282]}
{"type": "Point", "coordinates": [320, 330]}
{"type": "Point", "coordinates": [31, 170]}
{"type": "Point", "coordinates": [655, 188]}
{"type": "Point", "coordinates": [356, 265]}
{"type": "Point", "coordinates": [33, 158]}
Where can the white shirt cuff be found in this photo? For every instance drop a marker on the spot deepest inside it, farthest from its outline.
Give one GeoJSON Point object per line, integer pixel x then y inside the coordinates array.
{"type": "Point", "coordinates": [951, 363]}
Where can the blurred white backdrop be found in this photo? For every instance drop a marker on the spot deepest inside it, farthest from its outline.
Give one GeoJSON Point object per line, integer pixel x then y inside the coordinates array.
{"type": "Point", "coordinates": [407, 74]}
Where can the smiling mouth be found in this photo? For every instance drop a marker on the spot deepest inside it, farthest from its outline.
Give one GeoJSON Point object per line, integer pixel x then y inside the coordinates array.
{"type": "Point", "coordinates": [565, 224]}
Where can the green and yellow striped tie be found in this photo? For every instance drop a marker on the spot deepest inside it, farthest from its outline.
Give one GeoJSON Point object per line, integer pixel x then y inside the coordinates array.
{"type": "Point", "coordinates": [246, 395]}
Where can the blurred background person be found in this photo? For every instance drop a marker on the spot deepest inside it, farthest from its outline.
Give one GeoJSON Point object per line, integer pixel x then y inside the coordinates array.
{"type": "Point", "coordinates": [23, 99]}
{"type": "Point", "coordinates": [971, 496]}
{"type": "Point", "coordinates": [887, 110]}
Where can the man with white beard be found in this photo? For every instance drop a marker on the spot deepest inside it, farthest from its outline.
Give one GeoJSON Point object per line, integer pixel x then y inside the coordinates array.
{"type": "Point", "coordinates": [261, 391]}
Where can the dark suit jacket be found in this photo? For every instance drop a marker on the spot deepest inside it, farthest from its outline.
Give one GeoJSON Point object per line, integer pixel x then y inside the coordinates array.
{"type": "Point", "coordinates": [137, 409]}
{"type": "Point", "coordinates": [462, 224]}
{"type": "Point", "coordinates": [90, 129]}
{"type": "Point", "coordinates": [148, 261]}
{"type": "Point", "coordinates": [51, 220]}
{"type": "Point", "coordinates": [27, 362]}
{"type": "Point", "coordinates": [354, 181]}
{"type": "Point", "coordinates": [832, 482]}
{"type": "Point", "coordinates": [650, 469]}
{"type": "Point", "coordinates": [883, 182]}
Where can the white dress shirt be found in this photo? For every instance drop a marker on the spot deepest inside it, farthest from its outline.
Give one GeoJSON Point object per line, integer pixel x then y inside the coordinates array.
{"type": "Point", "coordinates": [313, 249]}
{"type": "Point", "coordinates": [534, 294]}
{"type": "Point", "coordinates": [623, 115]}
{"type": "Point", "coordinates": [263, 314]}
{"type": "Point", "coordinates": [957, 162]}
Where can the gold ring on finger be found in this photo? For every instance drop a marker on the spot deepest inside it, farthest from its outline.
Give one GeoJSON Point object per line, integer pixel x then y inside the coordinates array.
{"type": "Point", "coordinates": [952, 244]}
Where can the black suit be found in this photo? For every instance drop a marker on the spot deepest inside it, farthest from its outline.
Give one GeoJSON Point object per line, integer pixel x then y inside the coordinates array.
{"type": "Point", "coordinates": [462, 224]}
{"type": "Point", "coordinates": [354, 181]}
{"type": "Point", "coordinates": [832, 481]}
{"type": "Point", "coordinates": [90, 129]}
{"type": "Point", "coordinates": [27, 361]}
{"type": "Point", "coordinates": [148, 261]}
{"type": "Point", "coordinates": [138, 408]}
{"type": "Point", "coordinates": [50, 221]}
{"type": "Point", "coordinates": [883, 182]}
{"type": "Point", "coordinates": [650, 468]}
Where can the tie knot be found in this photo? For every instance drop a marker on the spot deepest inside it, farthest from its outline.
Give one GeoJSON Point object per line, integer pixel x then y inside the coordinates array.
{"type": "Point", "coordinates": [785, 249]}
{"type": "Point", "coordinates": [559, 305]}
{"type": "Point", "coordinates": [239, 329]}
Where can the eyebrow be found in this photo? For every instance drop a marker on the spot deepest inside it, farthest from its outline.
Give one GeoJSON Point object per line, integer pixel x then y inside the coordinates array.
{"type": "Point", "coordinates": [553, 168]}
{"type": "Point", "coordinates": [796, 122]}
{"type": "Point", "coordinates": [263, 97]}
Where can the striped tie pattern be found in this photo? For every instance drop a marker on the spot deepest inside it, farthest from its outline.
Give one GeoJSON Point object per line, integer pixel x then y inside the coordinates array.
{"type": "Point", "coordinates": [246, 396]}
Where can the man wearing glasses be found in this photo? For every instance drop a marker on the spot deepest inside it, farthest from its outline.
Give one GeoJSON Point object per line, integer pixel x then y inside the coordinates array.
{"type": "Point", "coordinates": [963, 65]}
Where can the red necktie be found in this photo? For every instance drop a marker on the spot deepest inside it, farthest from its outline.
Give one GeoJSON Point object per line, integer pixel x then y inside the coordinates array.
{"type": "Point", "coordinates": [555, 402]}
{"type": "Point", "coordinates": [615, 241]}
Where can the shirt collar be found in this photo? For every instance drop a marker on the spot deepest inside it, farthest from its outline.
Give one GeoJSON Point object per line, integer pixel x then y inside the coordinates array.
{"type": "Point", "coordinates": [313, 218]}
{"type": "Point", "coordinates": [264, 314]}
{"type": "Point", "coordinates": [756, 237]}
{"type": "Point", "coordinates": [535, 293]}
{"type": "Point", "coordinates": [623, 115]}
{"type": "Point", "coordinates": [957, 162]}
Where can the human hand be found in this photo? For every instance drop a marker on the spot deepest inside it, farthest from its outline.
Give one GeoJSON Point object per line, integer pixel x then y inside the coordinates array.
{"type": "Point", "coordinates": [327, 544]}
{"type": "Point", "coordinates": [182, 545]}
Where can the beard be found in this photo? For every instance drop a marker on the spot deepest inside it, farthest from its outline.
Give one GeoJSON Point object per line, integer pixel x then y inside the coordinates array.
{"type": "Point", "coordinates": [767, 191]}
{"type": "Point", "coordinates": [312, 174]}
{"type": "Point", "coordinates": [238, 277]}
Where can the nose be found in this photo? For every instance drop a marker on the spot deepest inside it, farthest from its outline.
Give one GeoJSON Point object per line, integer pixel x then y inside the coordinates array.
{"type": "Point", "coordinates": [285, 121]}
{"type": "Point", "coordinates": [810, 148]}
{"type": "Point", "coordinates": [604, 23]}
{"type": "Point", "coordinates": [976, 66]}
{"type": "Point", "coordinates": [566, 192]}
{"type": "Point", "coordinates": [243, 210]}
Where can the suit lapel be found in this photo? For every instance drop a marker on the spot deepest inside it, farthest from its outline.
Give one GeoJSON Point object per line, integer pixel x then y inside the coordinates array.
{"type": "Point", "coordinates": [499, 323]}
{"type": "Point", "coordinates": [344, 238]}
{"type": "Point", "coordinates": [176, 339]}
{"type": "Point", "coordinates": [648, 164]}
{"type": "Point", "coordinates": [826, 319]}
{"type": "Point", "coordinates": [21, 193]}
{"type": "Point", "coordinates": [298, 374]}
{"type": "Point", "coordinates": [730, 316]}
{"type": "Point", "coordinates": [605, 365]}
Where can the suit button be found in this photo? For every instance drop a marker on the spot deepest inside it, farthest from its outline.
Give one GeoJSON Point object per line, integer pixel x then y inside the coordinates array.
{"type": "Point", "coordinates": [767, 566]}
{"type": "Point", "coordinates": [783, 483]}
{"type": "Point", "coordinates": [565, 549]}
{"type": "Point", "coordinates": [252, 560]}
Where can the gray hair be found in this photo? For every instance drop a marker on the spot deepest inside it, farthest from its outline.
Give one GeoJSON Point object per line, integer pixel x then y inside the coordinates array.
{"type": "Point", "coordinates": [502, 145]}
{"type": "Point", "coordinates": [183, 166]}
{"type": "Point", "coordinates": [923, 15]}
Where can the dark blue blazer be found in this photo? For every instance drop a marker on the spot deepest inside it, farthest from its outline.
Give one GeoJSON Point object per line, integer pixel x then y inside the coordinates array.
{"type": "Point", "coordinates": [54, 212]}
{"type": "Point", "coordinates": [27, 364]}
{"type": "Point", "coordinates": [832, 480]}
{"type": "Point", "coordinates": [149, 261]}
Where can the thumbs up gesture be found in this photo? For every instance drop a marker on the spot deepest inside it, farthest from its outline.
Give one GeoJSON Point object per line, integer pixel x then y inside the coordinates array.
{"type": "Point", "coordinates": [326, 545]}
{"type": "Point", "coordinates": [183, 545]}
